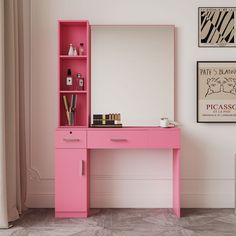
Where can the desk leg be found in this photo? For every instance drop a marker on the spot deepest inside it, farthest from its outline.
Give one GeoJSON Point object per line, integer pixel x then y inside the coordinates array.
{"type": "Point", "coordinates": [88, 181]}
{"type": "Point", "coordinates": [176, 182]}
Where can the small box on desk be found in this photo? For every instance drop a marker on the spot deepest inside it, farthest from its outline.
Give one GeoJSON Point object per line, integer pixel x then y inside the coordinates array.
{"type": "Point", "coordinates": [111, 120]}
{"type": "Point", "coordinates": [106, 126]}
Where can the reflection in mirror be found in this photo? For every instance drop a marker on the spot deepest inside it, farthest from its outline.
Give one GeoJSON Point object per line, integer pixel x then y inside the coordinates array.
{"type": "Point", "coordinates": [132, 72]}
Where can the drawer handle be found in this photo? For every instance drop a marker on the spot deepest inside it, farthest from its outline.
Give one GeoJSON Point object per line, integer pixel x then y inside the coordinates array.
{"type": "Point", "coordinates": [81, 168]}
{"type": "Point", "coordinates": [119, 139]}
{"type": "Point", "coordinates": [71, 139]}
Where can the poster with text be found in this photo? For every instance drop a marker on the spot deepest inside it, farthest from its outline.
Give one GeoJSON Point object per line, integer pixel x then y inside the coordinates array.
{"type": "Point", "coordinates": [216, 91]}
{"type": "Point", "coordinates": [216, 27]}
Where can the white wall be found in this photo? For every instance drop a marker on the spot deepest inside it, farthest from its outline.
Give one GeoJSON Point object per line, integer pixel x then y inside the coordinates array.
{"type": "Point", "coordinates": [132, 178]}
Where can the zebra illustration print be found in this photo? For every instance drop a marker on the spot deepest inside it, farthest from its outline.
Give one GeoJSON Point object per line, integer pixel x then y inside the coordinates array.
{"type": "Point", "coordinates": [217, 27]}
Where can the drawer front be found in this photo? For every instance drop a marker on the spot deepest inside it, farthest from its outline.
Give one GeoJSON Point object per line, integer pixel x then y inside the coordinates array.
{"type": "Point", "coordinates": [117, 139]}
{"type": "Point", "coordinates": [164, 139]}
{"type": "Point", "coordinates": [70, 139]}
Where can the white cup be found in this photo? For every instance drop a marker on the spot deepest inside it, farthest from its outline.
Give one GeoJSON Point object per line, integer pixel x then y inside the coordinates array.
{"type": "Point", "coordinates": [164, 122]}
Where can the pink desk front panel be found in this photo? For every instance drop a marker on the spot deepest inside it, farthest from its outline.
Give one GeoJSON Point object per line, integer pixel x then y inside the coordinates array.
{"type": "Point", "coordinates": [164, 138]}
{"type": "Point", "coordinates": [72, 190]}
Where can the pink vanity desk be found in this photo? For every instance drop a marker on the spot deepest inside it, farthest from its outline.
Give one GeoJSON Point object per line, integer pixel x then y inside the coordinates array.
{"type": "Point", "coordinates": [72, 161]}
{"type": "Point", "coordinates": [73, 143]}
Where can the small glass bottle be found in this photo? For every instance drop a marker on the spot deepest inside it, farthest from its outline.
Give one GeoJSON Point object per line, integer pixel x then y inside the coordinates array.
{"type": "Point", "coordinates": [79, 82]}
{"type": "Point", "coordinates": [75, 51]}
{"type": "Point", "coordinates": [69, 80]}
{"type": "Point", "coordinates": [71, 50]}
{"type": "Point", "coordinates": [81, 49]}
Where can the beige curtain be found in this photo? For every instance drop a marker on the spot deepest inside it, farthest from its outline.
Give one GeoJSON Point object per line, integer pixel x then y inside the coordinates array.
{"type": "Point", "coordinates": [14, 109]}
{"type": "Point", "coordinates": [3, 196]}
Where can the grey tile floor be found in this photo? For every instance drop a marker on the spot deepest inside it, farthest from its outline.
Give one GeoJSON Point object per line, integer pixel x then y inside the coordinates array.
{"type": "Point", "coordinates": [127, 222]}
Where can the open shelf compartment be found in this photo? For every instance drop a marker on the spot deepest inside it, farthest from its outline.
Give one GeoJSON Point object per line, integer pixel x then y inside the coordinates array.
{"type": "Point", "coordinates": [76, 66]}
{"type": "Point", "coordinates": [80, 112]}
{"type": "Point", "coordinates": [73, 32]}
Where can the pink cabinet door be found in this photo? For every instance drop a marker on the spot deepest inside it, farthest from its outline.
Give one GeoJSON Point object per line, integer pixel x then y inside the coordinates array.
{"type": "Point", "coordinates": [71, 180]}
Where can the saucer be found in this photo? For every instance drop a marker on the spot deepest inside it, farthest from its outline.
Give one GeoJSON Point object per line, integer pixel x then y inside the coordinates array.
{"type": "Point", "coordinates": [169, 126]}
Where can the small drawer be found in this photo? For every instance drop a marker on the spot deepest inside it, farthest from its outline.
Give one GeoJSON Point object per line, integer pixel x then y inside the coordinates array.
{"type": "Point", "coordinates": [70, 139]}
{"type": "Point", "coordinates": [164, 138]}
{"type": "Point", "coordinates": [120, 139]}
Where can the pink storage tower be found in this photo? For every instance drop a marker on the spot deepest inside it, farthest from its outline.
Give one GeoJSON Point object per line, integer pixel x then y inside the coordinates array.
{"type": "Point", "coordinates": [71, 154]}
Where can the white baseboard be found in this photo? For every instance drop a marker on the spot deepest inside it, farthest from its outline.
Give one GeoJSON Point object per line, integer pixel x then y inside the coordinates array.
{"type": "Point", "coordinates": [224, 200]}
{"type": "Point", "coordinates": [39, 200]}
{"type": "Point", "coordinates": [110, 200]}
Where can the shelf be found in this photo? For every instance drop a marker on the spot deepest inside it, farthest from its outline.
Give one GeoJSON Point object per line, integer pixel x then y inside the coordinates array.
{"type": "Point", "coordinates": [66, 57]}
{"type": "Point", "coordinates": [75, 33]}
{"type": "Point", "coordinates": [76, 66]}
{"type": "Point", "coordinates": [73, 91]}
{"type": "Point", "coordinates": [73, 126]}
{"type": "Point", "coordinates": [80, 112]}
{"type": "Point", "coordinates": [77, 23]}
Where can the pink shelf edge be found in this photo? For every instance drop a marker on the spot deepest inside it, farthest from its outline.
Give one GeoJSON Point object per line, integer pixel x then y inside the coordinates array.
{"type": "Point", "coordinates": [73, 57]}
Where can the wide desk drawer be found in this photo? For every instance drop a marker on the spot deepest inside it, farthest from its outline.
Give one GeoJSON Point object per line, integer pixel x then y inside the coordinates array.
{"type": "Point", "coordinates": [166, 138]}
{"type": "Point", "coordinates": [120, 139]}
{"type": "Point", "coordinates": [70, 139]}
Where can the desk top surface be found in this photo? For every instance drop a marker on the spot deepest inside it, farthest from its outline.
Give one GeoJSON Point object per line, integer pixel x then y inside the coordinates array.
{"type": "Point", "coordinates": [125, 128]}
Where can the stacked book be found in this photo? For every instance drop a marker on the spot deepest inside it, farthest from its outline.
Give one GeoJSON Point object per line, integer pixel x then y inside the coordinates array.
{"type": "Point", "coordinates": [107, 120]}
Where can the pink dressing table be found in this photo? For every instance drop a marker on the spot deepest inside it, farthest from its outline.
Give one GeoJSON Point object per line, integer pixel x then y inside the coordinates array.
{"type": "Point", "coordinates": [73, 143]}
{"type": "Point", "coordinates": [72, 161]}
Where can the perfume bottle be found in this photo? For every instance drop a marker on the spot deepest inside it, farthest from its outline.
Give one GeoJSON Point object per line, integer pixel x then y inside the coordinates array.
{"type": "Point", "coordinates": [71, 50]}
{"type": "Point", "coordinates": [81, 49]}
{"type": "Point", "coordinates": [69, 80]}
{"type": "Point", "coordinates": [75, 51]}
{"type": "Point", "coordinates": [79, 82]}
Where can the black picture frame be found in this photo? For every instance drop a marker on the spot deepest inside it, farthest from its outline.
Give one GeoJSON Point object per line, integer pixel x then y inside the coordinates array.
{"type": "Point", "coordinates": [225, 97]}
{"type": "Point", "coordinates": [216, 45]}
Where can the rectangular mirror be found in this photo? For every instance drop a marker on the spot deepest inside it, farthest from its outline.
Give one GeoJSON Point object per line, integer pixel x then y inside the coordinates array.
{"type": "Point", "coordinates": [132, 72]}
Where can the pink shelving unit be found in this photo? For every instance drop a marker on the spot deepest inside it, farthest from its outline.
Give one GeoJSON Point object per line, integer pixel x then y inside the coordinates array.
{"type": "Point", "coordinates": [74, 32]}
{"type": "Point", "coordinates": [71, 154]}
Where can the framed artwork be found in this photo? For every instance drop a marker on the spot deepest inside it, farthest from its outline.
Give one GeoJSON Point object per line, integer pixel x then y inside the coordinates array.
{"type": "Point", "coordinates": [216, 27]}
{"type": "Point", "coordinates": [216, 91]}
